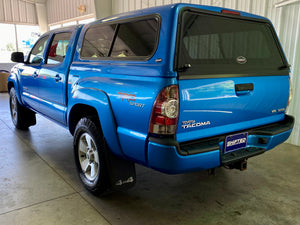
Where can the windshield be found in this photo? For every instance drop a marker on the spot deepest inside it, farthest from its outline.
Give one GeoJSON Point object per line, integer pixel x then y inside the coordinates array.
{"type": "Point", "coordinates": [214, 44]}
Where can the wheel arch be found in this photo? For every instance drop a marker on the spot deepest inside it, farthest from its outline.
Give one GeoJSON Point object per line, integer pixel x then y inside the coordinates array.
{"type": "Point", "coordinates": [10, 85]}
{"type": "Point", "coordinates": [93, 102]}
{"type": "Point", "coordinates": [13, 82]}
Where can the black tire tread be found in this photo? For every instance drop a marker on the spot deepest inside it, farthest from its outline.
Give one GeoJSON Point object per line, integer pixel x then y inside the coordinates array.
{"type": "Point", "coordinates": [101, 187]}
{"type": "Point", "coordinates": [25, 117]}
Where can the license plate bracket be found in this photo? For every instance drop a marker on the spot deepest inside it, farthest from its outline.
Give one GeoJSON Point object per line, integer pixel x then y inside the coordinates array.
{"type": "Point", "coordinates": [235, 142]}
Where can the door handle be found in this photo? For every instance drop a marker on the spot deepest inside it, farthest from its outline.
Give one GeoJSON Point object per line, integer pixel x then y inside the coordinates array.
{"type": "Point", "coordinates": [35, 75]}
{"type": "Point", "coordinates": [243, 89]}
{"type": "Point", "coordinates": [57, 78]}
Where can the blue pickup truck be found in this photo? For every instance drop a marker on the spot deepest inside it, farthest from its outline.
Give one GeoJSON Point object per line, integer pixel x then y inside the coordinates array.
{"type": "Point", "coordinates": [176, 88]}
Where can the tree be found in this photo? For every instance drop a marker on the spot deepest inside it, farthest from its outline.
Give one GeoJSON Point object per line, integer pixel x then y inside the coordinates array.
{"type": "Point", "coordinates": [10, 47]}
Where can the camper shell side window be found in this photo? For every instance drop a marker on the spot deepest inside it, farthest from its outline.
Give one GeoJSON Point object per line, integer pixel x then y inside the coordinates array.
{"type": "Point", "coordinates": [130, 40]}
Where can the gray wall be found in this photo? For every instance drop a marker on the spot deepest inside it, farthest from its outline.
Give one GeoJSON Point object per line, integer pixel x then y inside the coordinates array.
{"type": "Point", "coordinates": [62, 10]}
{"type": "Point", "coordinates": [17, 11]}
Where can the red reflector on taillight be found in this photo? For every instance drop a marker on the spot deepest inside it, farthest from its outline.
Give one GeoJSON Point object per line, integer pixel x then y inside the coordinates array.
{"type": "Point", "coordinates": [159, 120]}
{"type": "Point", "coordinates": [157, 108]}
{"type": "Point", "coordinates": [164, 115]}
{"type": "Point", "coordinates": [171, 121]}
{"type": "Point", "coordinates": [230, 12]}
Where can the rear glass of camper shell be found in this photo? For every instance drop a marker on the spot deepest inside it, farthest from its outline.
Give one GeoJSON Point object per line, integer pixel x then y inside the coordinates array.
{"type": "Point", "coordinates": [216, 44]}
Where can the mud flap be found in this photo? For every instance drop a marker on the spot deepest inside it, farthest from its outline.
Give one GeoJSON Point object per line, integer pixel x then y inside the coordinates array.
{"type": "Point", "coordinates": [121, 172]}
{"type": "Point", "coordinates": [30, 117]}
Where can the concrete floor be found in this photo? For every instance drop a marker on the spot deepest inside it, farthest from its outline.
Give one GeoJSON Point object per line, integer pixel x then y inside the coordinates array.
{"type": "Point", "coordinates": [39, 185]}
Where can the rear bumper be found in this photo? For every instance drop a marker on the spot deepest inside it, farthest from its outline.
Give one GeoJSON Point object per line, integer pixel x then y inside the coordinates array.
{"type": "Point", "coordinates": [169, 156]}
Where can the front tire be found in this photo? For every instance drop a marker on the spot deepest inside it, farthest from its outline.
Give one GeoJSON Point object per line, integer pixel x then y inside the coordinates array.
{"type": "Point", "coordinates": [21, 117]}
{"type": "Point", "coordinates": [89, 152]}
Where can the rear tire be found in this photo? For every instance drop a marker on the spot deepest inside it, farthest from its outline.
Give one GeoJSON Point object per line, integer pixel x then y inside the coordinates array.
{"type": "Point", "coordinates": [21, 117]}
{"type": "Point", "coordinates": [89, 151]}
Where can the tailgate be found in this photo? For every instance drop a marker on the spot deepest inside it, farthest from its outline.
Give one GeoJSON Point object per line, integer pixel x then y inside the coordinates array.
{"type": "Point", "coordinates": [232, 74]}
{"type": "Point", "coordinates": [210, 107]}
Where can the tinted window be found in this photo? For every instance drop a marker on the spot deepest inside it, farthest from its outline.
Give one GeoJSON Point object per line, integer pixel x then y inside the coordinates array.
{"type": "Point", "coordinates": [132, 39]}
{"type": "Point", "coordinates": [97, 41]}
{"type": "Point", "coordinates": [135, 39]}
{"type": "Point", "coordinates": [37, 52]}
{"type": "Point", "coordinates": [219, 45]}
{"type": "Point", "coordinates": [58, 49]}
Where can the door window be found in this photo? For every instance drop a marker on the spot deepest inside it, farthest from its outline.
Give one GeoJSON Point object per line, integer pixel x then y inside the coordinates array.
{"type": "Point", "coordinates": [58, 49]}
{"type": "Point", "coordinates": [37, 52]}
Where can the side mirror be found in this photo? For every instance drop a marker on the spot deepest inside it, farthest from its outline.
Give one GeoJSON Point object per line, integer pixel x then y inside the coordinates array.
{"type": "Point", "coordinates": [17, 57]}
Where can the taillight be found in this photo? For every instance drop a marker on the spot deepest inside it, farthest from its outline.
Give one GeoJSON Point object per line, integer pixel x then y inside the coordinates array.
{"type": "Point", "coordinates": [230, 12]}
{"type": "Point", "coordinates": [290, 95]}
{"type": "Point", "coordinates": [164, 115]}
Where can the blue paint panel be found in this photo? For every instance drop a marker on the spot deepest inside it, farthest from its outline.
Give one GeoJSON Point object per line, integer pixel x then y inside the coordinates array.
{"type": "Point", "coordinates": [167, 160]}
{"type": "Point", "coordinates": [272, 141]}
{"type": "Point", "coordinates": [133, 144]}
{"type": "Point", "coordinates": [216, 102]}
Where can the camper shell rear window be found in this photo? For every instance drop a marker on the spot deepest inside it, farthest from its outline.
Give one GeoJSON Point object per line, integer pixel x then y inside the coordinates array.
{"type": "Point", "coordinates": [226, 45]}
{"type": "Point", "coordinates": [136, 40]}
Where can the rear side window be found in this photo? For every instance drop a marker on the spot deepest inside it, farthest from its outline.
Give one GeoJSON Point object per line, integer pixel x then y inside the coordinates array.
{"type": "Point", "coordinates": [132, 40]}
{"type": "Point", "coordinates": [58, 49]}
{"type": "Point", "coordinates": [213, 44]}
